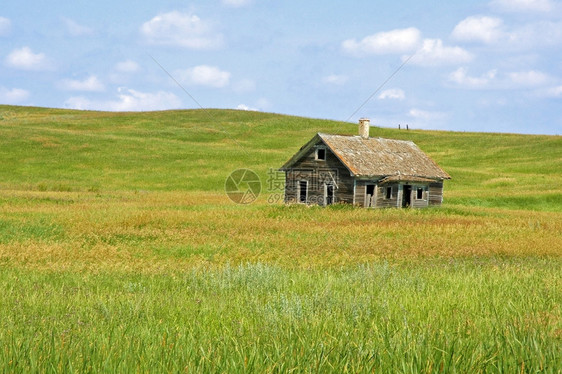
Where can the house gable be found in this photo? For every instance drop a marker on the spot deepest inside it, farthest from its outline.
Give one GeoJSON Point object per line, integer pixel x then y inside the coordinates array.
{"type": "Point", "coordinates": [319, 173]}
{"type": "Point", "coordinates": [307, 153]}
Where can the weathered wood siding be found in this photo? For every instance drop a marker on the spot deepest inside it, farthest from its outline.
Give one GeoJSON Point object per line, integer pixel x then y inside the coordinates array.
{"type": "Point", "coordinates": [361, 192]}
{"type": "Point", "coordinates": [419, 203]}
{"type": "Point", "coordinates": [435, 193]}
{"type": "Point", "coordinates": [318, 173]}
{"type": "Point", "coordinates": [291, 183]}
{"type": "Point", "coordinates": [382, 201]}
{"type": "Point", "coordinates": [397, 196]}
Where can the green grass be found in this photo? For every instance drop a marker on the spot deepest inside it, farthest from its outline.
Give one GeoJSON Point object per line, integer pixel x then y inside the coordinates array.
{"type": "Point", "coordinates": [460, 315]}
{"type": "Point", "coordinates": [120, 252]}
{"type": "Point", "coordinates": [194, 150]}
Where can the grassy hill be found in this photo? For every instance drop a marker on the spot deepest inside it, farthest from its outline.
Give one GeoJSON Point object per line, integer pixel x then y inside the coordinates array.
{"type": "Point", "coordinates": [120, 252]}
{"type": "Point", "coordinates": [194, 150]}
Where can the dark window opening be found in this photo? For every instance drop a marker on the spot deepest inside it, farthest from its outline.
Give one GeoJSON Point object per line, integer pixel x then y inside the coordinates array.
{"type": "Point", "coordinates": [369, 192]}
{"type": "Point", "coordinates": [420, 193]}
{"type": "Point", "coordinates": [321, 154]}
{"type": "Point", "coordinates": [302, 191]}
{"type": "Point", "coordinates": [389, 192]}
{"type": "Point", "coordinates": [329, 194]}
{"type": "Point", "coordinates": [406, 195]}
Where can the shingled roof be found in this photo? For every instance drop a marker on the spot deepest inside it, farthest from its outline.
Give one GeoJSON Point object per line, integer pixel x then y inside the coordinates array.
{"type": "Point", "coordinates": [374, 157]}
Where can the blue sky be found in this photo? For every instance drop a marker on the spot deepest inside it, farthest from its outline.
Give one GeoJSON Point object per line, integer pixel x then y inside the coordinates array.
{"type": "Point", "coordinates": [493, 65]}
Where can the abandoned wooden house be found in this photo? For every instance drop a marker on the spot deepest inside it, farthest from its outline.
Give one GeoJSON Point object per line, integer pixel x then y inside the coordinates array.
{"type": "Point", "coordinates": [365, 171]}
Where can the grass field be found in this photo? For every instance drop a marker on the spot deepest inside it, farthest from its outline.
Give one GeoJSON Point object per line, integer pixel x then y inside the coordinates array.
{"type": "Point", "coordinates": [119, 252]}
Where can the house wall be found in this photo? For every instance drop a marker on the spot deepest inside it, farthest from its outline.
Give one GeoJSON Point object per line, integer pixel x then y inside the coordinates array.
{"type": "Point", "coordinates": [432, 194]}
{"type": "Point", "coordinates": [435, 193]}
{"type": "Point", "coordinates": [423, 202]}
{"type": "Point", "coordinates": [318, 173]}
{"type": "Point", "coordinates": [382, 201]}
{"type": "Point", "coordinates": [360, 190]}
{"type": "Point", "coordinates": [396, 197]}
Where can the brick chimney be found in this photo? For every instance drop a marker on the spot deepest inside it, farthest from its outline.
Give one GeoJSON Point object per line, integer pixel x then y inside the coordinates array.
{"type": "Point", "coordinates": [364, 125]}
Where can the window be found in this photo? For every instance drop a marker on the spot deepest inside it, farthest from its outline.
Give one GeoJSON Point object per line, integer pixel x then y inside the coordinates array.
{"type": "Point", "coordinates": [321, 154]}
{"type": "Point", "coordinates": [302, 191]}
{"type": "Point", "coordinates": [388, 193]}
{"type": "Point", "coordinates": [419, 194]}
{"type": "Point", "coordinates": [329, 194]}
{"type": "Point", "coordinates": [370, 195]}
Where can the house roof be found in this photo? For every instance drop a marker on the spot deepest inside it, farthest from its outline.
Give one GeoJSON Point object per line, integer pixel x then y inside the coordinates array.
{"type": "Point", "coordinates": [404, 178]}
{"type": "Point", "coordinates": [375, 157]}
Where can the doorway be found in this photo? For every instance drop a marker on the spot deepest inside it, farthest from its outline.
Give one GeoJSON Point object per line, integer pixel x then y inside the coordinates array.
{"type": "Point", "coordinates": [329, 194]}
{"type": "Point", "coordinates": [302, 192]}
{"type": "Point", "coordinates": [369, 195]}
{"type": "Point", "coordinates": [406, 196]}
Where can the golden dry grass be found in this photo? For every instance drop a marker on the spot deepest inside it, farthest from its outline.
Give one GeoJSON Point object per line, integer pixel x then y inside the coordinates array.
{"type": "Point", "coordinates": [168, 231]}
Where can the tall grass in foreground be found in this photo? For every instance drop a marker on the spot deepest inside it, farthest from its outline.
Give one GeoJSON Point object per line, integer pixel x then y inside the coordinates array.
{"type": "Point", "coordinates": [478, 315]}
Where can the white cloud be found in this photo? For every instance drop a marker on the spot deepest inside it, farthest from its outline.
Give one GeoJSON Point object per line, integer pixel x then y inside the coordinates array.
{"type": "Point", "coordinates": [461, 78]}
{"type": "Point", "coordinates": [543, 33]}
{"type": "Point", "coordinates": [182, 30]}
{"type": "Point", "coordinates": [425, 115]}
{"type": "Point", "coordinates": [245, 107]}
{"type": "Point", "coordinates": [25, 59]}
{"type": "Point", "coordinates": [128, 66]}
{"type": "Point", "coordinates": [13, 96]}
{"type": "Point", "coordinates": [523, 5]}
{"type": "Point", "coordinates": [493, 80]}
{"type": "Point", "coordinates": [527, 78]}
{"type": "Point", "coordinates": [260, 105]}
{"type": "Point", "coordinates": [75, 29]}
{"type": "Point", "coordinates": [552, 92]}
{"type": "Point", "coordinates": [434, 53]}
{"type": "Point", "coordinates": [5, 26]}
{"type": "Point", "coordinates": [335, 79]}
{"type": "Point", "coordinates": [393, 93]}
{"type": "Point", "coordinates": [205, 75]}
{"type": "Point", "coordinates": [389, 42]}
{"type": "Point", "coordinates": [491, 30]}
{"type": "Point", "coordinates": [128, 100]}
{"type": "Point", "coordinates": [236, 3]}
{"type": "Point", "coordinates": [91, 84]}
{"type": "Point", "coordinates": [479, 28]}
